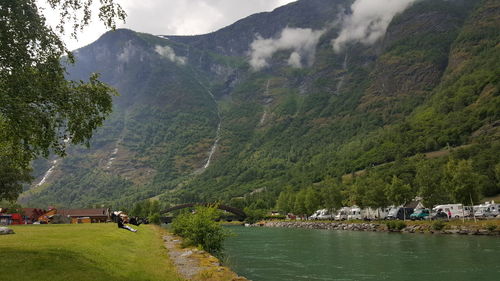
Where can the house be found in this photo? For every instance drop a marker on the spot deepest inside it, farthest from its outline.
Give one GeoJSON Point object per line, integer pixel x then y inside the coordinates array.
{"type": "Point", "coordinates": [7, 219]}
{"type": "Point", "coordinates": [87, 215]}
{"type": "Point", "coordinates": [32, 214]}
{"type": "Point", "coordinates": [415, 205]}
{"type": "Point", "coordinates": [45, 218]}
{"type": "Point", "coordinates": [98, 215]}
{"type": "Point", "coordinates": [26, 216]}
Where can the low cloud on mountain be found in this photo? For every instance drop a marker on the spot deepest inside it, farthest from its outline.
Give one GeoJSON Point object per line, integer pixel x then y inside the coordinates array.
{"type": "Point", "coordinates": [169, 53]}
{"type": "Point", "coordinates": [369, 21]}
{"type": "Point", "coordinates": [302, 41]}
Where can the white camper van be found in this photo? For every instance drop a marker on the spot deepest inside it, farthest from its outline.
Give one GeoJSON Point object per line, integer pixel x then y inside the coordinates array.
{"type": "Point", "coordinates": [453, 210]}
{"type": "Point", "coordinates": [342, 214]}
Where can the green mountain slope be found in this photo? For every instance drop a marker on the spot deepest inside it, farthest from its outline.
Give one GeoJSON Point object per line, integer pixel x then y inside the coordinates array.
{"type": "Point", "coordinates": [430, 83]}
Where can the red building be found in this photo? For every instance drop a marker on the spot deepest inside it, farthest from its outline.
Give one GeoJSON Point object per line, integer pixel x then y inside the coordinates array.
{"type": "Point", "coordinates": [28, 216]}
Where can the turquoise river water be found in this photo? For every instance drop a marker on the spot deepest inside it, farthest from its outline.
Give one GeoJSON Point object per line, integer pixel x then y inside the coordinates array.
{"type": "Point", "coordinates": [275, 254]}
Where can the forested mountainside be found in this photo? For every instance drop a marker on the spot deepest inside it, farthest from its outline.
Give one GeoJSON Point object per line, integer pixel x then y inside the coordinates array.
{"type": "Point", "coordinates": [286, 101]}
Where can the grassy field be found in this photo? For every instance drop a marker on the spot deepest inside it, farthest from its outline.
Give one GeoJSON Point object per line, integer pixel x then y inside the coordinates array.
{"type": "Point", "coordinates": [84, 252]}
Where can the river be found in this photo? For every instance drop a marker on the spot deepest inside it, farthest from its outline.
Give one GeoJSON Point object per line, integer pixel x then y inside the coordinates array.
{"type": "Point", "coordinates": [274, 254]}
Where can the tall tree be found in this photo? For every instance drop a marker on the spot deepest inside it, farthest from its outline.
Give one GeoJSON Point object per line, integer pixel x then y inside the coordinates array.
{"type": "Point", "coordinates": [428, 180]}
{"type": "Point", "coordinates": [332, 195]}
{"type": "Point", "coordinates": [40, 111]}
{"type": "Point", "coordinates": [375, 196]}
{"type": "Point", "coordinates": [285, 201]}
{"type": "Point", "coordinates": [398, 192]}
{"type": "Point", "coordinates": [299, 207]}
{"type": "Point", "coordinates": [461, 180]}
{"type": "Point", "coordinates": [312, 200]}
{"type": "Point", "coordinates": [357, 192]}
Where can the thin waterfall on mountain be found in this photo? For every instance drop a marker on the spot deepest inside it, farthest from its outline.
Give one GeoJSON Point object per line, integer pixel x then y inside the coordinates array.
{"type": "Point", "coordinates": [217, 133]}
{"type": "Point", "coordinates": [341, 80]}
{"type": "Point", "coordinates": [266, 95]}
{"type": "Point", "coordinates": [48, 173]}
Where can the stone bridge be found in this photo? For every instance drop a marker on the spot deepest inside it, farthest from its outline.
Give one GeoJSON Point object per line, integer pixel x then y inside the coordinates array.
{"type": "Point", "coordinates": [238, 212]}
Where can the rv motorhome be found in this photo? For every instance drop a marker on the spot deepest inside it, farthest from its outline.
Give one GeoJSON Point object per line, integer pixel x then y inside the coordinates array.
{"type": "Point", "coordinates": [453, 210]}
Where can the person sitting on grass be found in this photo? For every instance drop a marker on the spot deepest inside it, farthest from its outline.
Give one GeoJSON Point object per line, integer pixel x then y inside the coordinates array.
{"type": "Point", "coordinates": [122, 220]}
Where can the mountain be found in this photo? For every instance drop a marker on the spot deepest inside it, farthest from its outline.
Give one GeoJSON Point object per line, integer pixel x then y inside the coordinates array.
{"type": "Point", "coordinates": [279, 100]}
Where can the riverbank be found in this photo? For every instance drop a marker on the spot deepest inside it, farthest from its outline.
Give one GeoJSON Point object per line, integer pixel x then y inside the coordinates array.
{"type": "Point", "coordinates": [197, 265]}
{"type": "Point", "coordinates": [490, 228]}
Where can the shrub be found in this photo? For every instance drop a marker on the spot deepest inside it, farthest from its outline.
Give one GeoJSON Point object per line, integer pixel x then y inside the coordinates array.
{"type": "Point", "coordinates": [201, 230]}
{"type": "Point", "coordinates": [438, 225]}
{"type": "Point", "coordinates": [154, 218]}
{"type": "Point", "coordinates": [254, 215]}
{"type": "Point", "coordinates": [491, 227]}
{"type": "Point", "coordinates": [395, 225]}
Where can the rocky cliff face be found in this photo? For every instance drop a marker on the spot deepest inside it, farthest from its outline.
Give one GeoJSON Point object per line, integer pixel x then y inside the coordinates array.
{"type": "Point", "coordinates": [267, 100]}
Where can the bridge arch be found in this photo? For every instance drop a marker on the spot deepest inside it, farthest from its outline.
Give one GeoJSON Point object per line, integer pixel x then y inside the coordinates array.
{"type": "Point", "coordinates": [238, 212]}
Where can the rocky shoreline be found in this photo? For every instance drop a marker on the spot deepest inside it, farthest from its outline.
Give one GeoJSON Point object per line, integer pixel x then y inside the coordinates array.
{"type": "Point", "coordinates": [382, 227]}
{"type": "Point", "coordinates": [197, 265]}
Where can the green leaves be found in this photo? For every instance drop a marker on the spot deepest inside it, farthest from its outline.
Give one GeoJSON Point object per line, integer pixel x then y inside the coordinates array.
{"type": "Point", "coordinates": [39, 110]}
{"type": "Point", "coordinates": [461, 180]}
{"type": "Point", "coordinates": [200, 229]}
{"type": "Point", "coordinates": [398, 192]}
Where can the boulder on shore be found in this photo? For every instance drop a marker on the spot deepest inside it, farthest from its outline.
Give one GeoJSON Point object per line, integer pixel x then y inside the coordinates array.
{"type": "Point", "coordinates": [5, 230]}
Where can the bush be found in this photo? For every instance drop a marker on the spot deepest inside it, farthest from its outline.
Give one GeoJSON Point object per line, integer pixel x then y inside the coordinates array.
{"type": "Point", "coordinates": [254, 215]}
{"type": "Point", "coordinates": [491, 227]}
{"type": "Point", "coordinates": [395, 225]}
{"type": "Point", "coordinates": [201, 230]}
{"type": "Point", "coordinates": [154, 218]}
{"type": "Point", "coordinates": [438, 225]}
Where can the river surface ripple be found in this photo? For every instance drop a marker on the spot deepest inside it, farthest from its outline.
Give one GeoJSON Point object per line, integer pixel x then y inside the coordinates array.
{"type": "Point", "coordinates": [274, 254]}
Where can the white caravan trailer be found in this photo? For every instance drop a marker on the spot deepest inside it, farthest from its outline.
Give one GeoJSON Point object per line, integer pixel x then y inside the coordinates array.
{"type": "Point", "coordinates": [488, 209]}
{"type": "Point", "coordinates": [355, 213]}
{"type": "Point", "coordinates": [325, 215]}
{"type": "Point", "coordinates": [376, 214]}
{"type": "Point", "coordinates": [316, 214]}
{"type": "Point", "coordinates": [342, 214]}
{"type": "Point", "coordinates": [322, 214]}
{"type": "Point", "coordinates": [453, 210]}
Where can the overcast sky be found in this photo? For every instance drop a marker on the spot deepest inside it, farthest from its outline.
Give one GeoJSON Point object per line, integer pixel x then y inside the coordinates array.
{"type": "Point", "coordinates": [174, 17]}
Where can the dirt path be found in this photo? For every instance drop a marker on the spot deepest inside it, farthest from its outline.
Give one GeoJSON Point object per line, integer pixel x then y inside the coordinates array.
{"type": "Point", "coordinates": [197, 265]}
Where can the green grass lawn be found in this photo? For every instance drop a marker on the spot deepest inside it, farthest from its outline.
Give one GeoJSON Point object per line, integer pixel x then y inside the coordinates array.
{"type": "Point", "coordinates": [84, 252]}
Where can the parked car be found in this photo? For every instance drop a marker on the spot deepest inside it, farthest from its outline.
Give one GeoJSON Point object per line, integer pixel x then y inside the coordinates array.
{"type": "Point", "coordinates": [420, 214]}
{"type": "Point", "coordinates": [399, 213]}
{"type": "Point", "coordinates": [439, 216]}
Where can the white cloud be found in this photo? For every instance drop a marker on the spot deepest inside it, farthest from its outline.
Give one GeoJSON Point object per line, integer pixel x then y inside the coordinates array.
{"type": "Point", "coordinates": [369, 21]}
{"type": "Point", "coordinates": [171, 17]}
{"type": "Point", "coordinates": [169, 54]}
{"type": "Point", "coordinates": [302, 41]}
{"type": "Point", "coordinates": [295, 60]}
